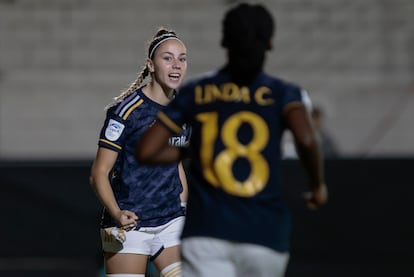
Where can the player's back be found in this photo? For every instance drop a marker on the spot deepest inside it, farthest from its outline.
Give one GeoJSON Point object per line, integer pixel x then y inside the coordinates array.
{"type": "Point", "coordinates": [235, 150]}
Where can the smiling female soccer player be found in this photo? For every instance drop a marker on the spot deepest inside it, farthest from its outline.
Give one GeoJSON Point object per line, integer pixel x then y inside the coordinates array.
{"type": "Point", "coordinates": [142, 217]}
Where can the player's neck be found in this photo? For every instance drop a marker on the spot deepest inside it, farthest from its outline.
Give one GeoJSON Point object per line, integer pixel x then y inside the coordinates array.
{"type": "Point", "coordinates": [157, 94]}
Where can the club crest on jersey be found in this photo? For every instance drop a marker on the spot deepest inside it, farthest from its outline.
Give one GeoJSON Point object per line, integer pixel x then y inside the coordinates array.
{"type": "Point", "coordinates": [114, 130]}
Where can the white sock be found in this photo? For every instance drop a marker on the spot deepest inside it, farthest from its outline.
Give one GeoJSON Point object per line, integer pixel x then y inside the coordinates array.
{"type": "Point", "coordinates": [172, 270]}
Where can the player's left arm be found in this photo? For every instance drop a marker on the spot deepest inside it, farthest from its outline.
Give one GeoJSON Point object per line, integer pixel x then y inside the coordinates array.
{"type": "Point", "coordinates": [153, 147]}
{"type": "Point", "coordinates": [309, 150]}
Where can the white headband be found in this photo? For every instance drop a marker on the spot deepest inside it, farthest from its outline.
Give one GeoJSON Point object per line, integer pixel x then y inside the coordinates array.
{"type": "Point", "coordinates": [162, 38]}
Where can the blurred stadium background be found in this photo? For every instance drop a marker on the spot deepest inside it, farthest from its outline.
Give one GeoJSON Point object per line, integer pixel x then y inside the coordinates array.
{"type": "Point", "coordinates": [62, 61]}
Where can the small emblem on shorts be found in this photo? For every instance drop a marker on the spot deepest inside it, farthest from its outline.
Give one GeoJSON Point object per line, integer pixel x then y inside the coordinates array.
{"type": "Point", "coordinates": [114, 130]}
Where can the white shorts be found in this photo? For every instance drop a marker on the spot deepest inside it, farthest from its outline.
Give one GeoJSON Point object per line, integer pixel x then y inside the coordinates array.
{"type": "Point", "coordinates": [147, 240]}
{"type": "Point", "coordinates": [206, 257]}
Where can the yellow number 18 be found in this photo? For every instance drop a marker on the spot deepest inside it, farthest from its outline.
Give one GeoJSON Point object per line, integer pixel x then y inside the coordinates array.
{"type": "Point", "coordinates": [219, 172]}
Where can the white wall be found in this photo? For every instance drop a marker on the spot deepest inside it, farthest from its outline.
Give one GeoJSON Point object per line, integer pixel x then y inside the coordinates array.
{"type": "Point", "coordinates": [62, 61]}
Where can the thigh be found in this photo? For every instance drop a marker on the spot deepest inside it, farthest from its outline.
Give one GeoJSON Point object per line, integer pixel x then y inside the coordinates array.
{"type": "Point", "coordinates": [117, 263]}
{"type": "Point", "coordinates": [167, 256]}
{"type": "Point", "coordinates": [259, 261]}
{"type": "Point", "coordinates": [127, 256]}
{"type": "Point", "coordinates": [135, 242]}
{"type": "Point", "coordinates": [168, 238]}
{"type": "Point", "coordinates": [206, 257]}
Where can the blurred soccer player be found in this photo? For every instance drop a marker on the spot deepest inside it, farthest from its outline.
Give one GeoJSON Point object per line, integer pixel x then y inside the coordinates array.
{"type": "Point", "coordinates": [237, 221]}
{"type": "Point", "coordinates": [142, 215]}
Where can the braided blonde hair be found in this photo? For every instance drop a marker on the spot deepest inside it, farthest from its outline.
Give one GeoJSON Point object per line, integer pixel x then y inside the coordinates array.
{"type": "Point", "coordinates": [143, 73]}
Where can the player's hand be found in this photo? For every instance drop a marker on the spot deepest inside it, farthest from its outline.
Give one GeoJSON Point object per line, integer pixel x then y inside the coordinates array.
{"type": "Point", "coordinates": [317, 197]}
{"type": "Point", "coordinates": [127, 220]}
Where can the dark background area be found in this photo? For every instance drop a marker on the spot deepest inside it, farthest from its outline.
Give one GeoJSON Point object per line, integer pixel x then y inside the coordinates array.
{"type": "Point", "coordinates": [50, 219]}
{"type": "Point", "coordinates": [366, 229]}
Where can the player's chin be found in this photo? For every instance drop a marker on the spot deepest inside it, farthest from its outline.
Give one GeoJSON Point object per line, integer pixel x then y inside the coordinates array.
{"type": "Point", "coordinates": [174, 83]}
{"type": "Point", "coordinates": [174, 86]}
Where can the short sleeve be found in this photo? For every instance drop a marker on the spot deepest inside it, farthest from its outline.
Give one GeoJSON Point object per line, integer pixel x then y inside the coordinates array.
{"type": "Point", "coordinates": [112, 134]}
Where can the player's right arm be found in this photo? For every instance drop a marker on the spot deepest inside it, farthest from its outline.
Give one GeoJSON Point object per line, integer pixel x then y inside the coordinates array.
{"type": "Point", "coordinates": [153, 147]}
{"type": "Point", "coordinates": [308, 148]}
{"type": "Point", "coordinates": [101, 167]}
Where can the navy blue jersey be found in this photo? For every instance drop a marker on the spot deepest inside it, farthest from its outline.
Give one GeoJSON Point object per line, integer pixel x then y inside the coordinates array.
{"type": "Point", "coordinates": [152, 192]}
{"type": "Point", "coordinates": [234, 188]}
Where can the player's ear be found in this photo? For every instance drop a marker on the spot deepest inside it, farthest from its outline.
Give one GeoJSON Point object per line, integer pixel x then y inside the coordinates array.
{"type": "Point", "coordinates": [150, 66]}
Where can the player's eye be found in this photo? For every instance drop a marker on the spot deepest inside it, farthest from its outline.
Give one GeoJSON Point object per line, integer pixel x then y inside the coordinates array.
{"type": "Point", "coordinates": [167, 58]}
